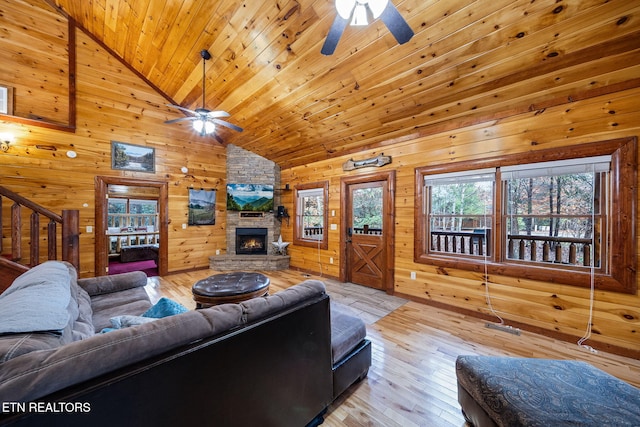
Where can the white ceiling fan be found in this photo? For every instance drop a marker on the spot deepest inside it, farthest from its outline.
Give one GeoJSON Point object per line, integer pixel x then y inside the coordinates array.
{"type": "Point", "coordinates": [358, 11]}
{"type": "Point", "coordinates": [204, 120]}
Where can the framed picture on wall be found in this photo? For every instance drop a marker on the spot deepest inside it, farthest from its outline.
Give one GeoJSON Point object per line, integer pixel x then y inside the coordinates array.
{"type": "Point", "coordinates": [6, 100]}
{"type": "Point", "coordinates": [132, 157]}
{"type": "Point", "coordinates": [202, 207]}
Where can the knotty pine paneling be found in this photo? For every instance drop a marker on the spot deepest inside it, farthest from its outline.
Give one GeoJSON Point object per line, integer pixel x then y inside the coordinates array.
{"type": "Point", "coordinates": [34, 58]}
{"type": "Point", "coordinates": [553, 307]}
{"type": "Point", "coordinates": [113, 104]}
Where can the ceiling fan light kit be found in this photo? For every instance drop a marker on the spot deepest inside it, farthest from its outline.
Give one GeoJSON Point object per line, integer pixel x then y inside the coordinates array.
{"type": "Point", "coordinates": [357, 11]}
{"type": "Point", "coordinates": [204, 121]}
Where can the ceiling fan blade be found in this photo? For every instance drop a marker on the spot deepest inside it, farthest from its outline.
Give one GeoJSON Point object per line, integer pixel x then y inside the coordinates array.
{"type": "Point", "coordinates": [181, 108]}
{"type": "Point", "coordinates": [227, 124]}
{"type": "Point", "coordinates": [214, 114]}
{"type": "Point", "coordinates": [396, 24]}
{"type": "Point", "coordinates": [181, 119]}
{"type": "Point", "coordinates": [337, 28]}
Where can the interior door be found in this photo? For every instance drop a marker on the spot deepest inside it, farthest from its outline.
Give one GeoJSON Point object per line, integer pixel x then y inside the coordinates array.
{"type": "Point", "coordinates": [368, 240]}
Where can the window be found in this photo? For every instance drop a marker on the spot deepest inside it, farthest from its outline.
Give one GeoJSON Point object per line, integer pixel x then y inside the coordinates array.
{"type": "Point", "coordinates": [556, 212]}
{"type": "Point", "coordinates": [553, 215]}
{"type": "Point", "coordinates": [460, 213]}
{"type": "Point", "coordinates": [131, 213]}
{"type": "Point", "coordinates": [311, 214]}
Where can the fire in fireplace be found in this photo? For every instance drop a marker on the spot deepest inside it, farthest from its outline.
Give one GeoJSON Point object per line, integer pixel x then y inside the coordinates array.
{"type": "Point", "coordinates": [251, 241]}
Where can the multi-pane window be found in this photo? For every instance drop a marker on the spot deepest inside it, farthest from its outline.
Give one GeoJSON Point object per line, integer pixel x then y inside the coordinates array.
{"type": "Point", "coordinates": [460, 212]}
{"type": "Point", "coordinates": [311, 204]}
{"type": "Point", "coordinates": [311, 215]}
{"type": "Point", "coordinates": [555, 212]}
{"type": "Point", "coordinates": [552, 215]}
{"type": "Point", "coordinates": [132, 212]}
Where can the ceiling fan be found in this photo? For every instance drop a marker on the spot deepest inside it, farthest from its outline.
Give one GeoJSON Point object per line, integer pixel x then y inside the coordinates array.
{"type": "Point", "coordinates": [357, 11]}
{"type": "Point", "coordinates": [204, 120]}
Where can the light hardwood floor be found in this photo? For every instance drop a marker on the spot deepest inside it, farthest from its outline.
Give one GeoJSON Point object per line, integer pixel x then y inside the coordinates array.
{"type": "Point", "coordinates": [412, 378]}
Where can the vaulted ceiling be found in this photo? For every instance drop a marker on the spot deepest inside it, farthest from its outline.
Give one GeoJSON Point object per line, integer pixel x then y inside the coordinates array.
{"type": "Point", "coordinates": [470, 61]}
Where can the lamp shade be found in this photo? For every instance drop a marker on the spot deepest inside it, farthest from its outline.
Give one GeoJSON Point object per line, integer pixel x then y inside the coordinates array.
{"type": "Point", "coordinates": [345, 7]}
{"type": "Point", "coordinates": [360, 15]}
{"type": "Point", "coordinates": [198, 125]}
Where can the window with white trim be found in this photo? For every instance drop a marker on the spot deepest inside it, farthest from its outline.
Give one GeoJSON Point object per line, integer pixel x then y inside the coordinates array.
{"type": "Point", "coordinates": [562, 216]}
{"type": "Point", "coordinates": [311, 214]}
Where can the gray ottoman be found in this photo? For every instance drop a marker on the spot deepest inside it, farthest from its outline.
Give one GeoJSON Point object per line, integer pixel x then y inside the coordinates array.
{"type": "Point", "coordinates": [504, 391]}
{"type": "Point", "coordinates": [350, 350]}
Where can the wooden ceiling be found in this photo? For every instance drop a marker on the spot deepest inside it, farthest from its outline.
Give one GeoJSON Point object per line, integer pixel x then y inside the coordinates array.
{"type": "Point", "coordinates": [470, 61]}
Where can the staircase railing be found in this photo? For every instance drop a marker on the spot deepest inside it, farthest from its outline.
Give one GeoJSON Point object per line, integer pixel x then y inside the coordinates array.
{"type": "Point", "coordinates": [14, 262]}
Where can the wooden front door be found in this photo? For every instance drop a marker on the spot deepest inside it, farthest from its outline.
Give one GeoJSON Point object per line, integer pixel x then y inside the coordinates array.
{"type": "Point", "coordinates": [368, 230]}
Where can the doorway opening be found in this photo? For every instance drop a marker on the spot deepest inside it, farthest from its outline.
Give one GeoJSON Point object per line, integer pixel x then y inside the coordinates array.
{"type": "Point", "coordinates": [131, 226]}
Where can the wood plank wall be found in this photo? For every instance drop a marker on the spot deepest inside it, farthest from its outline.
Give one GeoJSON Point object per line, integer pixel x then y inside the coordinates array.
{"type": "Point", "coordinates": [557, 308]}
{"type": "Point", "coordinates": [112, 104]}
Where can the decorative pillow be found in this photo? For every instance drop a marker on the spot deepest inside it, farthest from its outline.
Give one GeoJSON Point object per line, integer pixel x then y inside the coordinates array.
{"type": "Point", "coordinates": [165, 307]}
{"type": "Point", "coordinates": [37, 300]}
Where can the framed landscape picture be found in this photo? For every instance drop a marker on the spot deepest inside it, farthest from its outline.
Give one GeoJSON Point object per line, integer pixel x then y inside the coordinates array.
{"type": "Point", "coordinates": [132, 157]}
{"type": "Point", "coordinates": [202, 207]}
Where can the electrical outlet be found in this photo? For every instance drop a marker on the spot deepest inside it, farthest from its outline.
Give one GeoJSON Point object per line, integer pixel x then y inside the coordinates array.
{"type": "Point", "coordinates": [413, 275]}
{"type": "Point", "coordinates": [331, 260]}
{"type": "Point", "coordinates": [184, 226]}
{"type": "Point", "coordinates": [89, 229]}
{"type": "Point", "coordinates": [217, 251]}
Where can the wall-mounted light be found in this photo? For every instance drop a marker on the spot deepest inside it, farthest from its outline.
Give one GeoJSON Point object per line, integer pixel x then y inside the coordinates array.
{"type": "Point", "coordinates": [6, 139]}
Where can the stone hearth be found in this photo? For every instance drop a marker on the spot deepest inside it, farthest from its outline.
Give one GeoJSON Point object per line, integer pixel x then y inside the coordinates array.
{"type": "Point", "coordinates": [248, 262]}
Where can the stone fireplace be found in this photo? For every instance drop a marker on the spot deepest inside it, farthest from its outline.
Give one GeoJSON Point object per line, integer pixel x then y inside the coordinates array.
{"type": "Point", "coordinates": [245, 167]}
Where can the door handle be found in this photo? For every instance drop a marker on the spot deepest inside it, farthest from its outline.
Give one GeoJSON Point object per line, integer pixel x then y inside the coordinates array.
{"type": "Point", "coordinates": [349, 234]}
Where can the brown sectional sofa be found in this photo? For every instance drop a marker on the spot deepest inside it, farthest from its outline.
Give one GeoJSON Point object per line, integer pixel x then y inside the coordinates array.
{"type": "Point", "coordinates": [278, 360]}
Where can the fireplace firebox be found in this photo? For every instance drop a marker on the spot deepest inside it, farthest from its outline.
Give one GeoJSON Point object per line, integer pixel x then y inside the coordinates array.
{"type": "Point", "coordinates": [251, 241]}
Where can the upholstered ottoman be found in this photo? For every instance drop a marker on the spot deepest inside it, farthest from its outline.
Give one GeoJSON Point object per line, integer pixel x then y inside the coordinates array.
{"type": "Point", "coordinates": [350, 350]}
{"type": "Point", "coordinates": [503, 391]}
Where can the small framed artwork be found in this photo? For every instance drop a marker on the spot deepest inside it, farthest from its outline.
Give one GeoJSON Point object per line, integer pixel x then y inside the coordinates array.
{"type": "Point", "coordinates": [132, 157]}
{"type": "Point", "coordinates": [6, 100]}
{"type": "Point", "coordinates": [202, 207]}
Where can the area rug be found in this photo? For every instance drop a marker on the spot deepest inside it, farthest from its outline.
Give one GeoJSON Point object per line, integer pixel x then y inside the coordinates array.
{"type": "Point", "coordinates": [370, 304]}
{"type": "Point", "coordinates": [148, 266]}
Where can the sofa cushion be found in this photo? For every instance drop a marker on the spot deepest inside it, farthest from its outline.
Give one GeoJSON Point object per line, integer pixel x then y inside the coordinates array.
{"type": "Point", "coordinates": [37, 300]}
{"type": "Point", "coordinates": [163, 308]}
{"type": "Point", "coordinates": [134, 301]}
{"type": "Point", "coordinates": [347, 331]}
{"type": "Point", "coordinates": [258, 308]}
{"type": "Point", "coordinates": [118, 282]}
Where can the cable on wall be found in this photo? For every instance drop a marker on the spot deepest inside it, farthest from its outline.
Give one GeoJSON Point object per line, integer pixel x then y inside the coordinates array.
{"type": "Point", "coordinates": [500, 326]}
{"type": "Point", "coordinates": [592, 276]}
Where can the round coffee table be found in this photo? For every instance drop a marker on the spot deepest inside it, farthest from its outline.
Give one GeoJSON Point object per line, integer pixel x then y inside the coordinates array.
{"type": "Point", "coordinates": [229, 288]}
